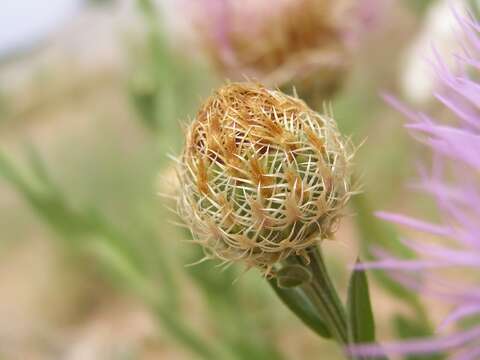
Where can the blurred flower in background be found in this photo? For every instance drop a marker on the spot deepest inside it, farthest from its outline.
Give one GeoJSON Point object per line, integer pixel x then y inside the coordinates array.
{"type": "Point", "coordinates": [454, 243]}
{"type": "Point", "coordinates": [305, 43]}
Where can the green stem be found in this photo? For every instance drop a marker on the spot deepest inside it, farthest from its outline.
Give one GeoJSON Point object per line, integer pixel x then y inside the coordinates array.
{"type": "Point", "coordinates": [300, 305]}
{"type": "Point", "coordinates": [322, 293]}
{"type": "Point", "coordinates": [324, 297]}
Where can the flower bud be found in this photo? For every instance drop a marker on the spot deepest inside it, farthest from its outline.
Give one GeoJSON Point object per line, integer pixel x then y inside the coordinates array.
{"type": "Point", "coordinates": [262, 176]}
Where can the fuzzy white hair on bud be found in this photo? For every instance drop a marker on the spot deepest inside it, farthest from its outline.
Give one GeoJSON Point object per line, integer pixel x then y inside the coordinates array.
{"type": "Point", "coordinates": [262, 175]}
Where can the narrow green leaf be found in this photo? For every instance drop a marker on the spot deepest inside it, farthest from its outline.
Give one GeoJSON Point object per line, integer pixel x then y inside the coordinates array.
{"type": "Point", "coordinates": [116, 263]}
{"type": "Point", "coordinates": [39, 169]}
{"type": "Point", "coordinates": [359, 309]}
{"type": "Point", "coordinates": [361, 324]}
{"type": "Point", "coordinates": [11, 174]}
{"type": "Point", "coordinates": [297, 302]}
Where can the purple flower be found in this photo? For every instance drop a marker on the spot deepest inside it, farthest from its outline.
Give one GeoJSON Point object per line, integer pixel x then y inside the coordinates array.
{"type": "Point", "coordinates": [454, 184]}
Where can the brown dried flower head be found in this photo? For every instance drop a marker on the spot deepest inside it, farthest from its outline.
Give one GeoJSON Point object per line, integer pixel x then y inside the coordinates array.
{"type": "Point", "coordinates": [262, 175]}
{"type": "Point", "coordinates": [281, 42]}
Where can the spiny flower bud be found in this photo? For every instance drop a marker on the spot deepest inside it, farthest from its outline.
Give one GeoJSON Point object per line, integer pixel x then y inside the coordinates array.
{"type": "Point", "coordinates": [262, 176]}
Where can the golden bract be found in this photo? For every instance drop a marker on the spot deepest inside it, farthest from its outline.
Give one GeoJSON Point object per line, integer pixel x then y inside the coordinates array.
{"type": "Point", "coordinates": [262, 175]}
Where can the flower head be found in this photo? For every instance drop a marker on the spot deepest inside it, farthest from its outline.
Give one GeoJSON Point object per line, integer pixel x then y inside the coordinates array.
{"type": "Point", "coordinates": [262, 175]}
{"type": "Point", "coordinates": [454, 184]}
{"type": "Point", "coordinates": [305, 43]}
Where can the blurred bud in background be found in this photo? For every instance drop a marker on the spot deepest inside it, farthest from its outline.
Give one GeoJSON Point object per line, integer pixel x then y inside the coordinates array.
{"type": "Point", "coordinates": [307, 44]}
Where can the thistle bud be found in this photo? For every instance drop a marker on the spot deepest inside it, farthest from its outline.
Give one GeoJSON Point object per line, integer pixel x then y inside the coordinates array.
{"type": "Point", "coordinates": [262, 176]}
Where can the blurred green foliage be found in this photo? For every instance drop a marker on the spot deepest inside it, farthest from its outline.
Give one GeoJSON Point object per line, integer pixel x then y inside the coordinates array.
{"type": "Point", "coordinates": [164, 86]}
{"type": "Point", "coordinates": [407, 329]}
{"type": "Point", "coordinates": [475, 8]}
{"type": "Point", "coordinates": [129, 242]}
{"type": "Point", "coordinates": [140, 263]}
{"type": "Point", "coordinates": [420, 7]}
